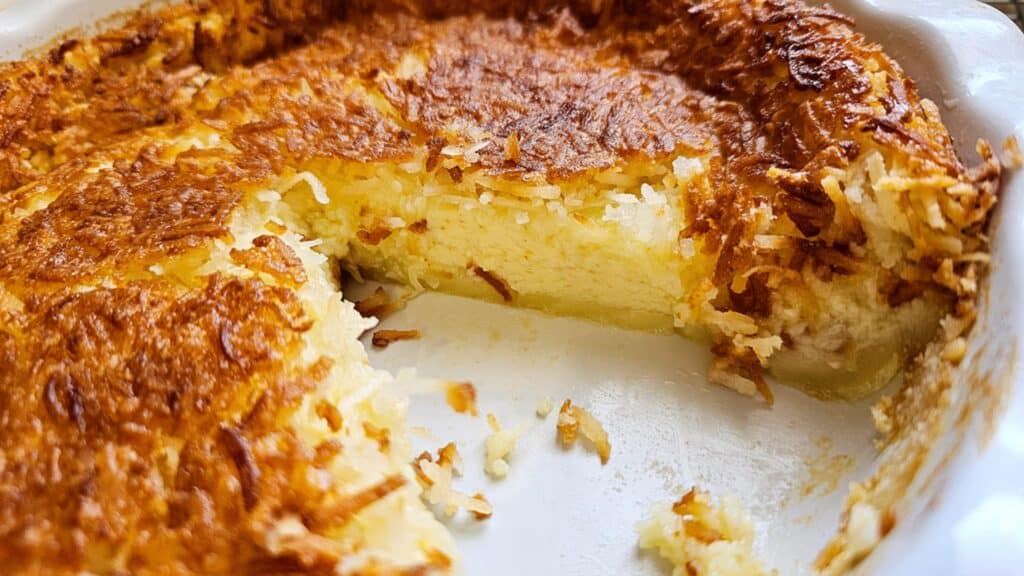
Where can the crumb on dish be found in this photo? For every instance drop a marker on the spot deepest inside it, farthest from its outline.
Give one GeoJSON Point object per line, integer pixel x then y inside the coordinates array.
{"type": "Point", "coordinates": [499, 445]}
{"type": "Point", "coordinates": [461, 397]}
{"type": "Point", "coordinates": [573, 420]}
{"type": "Point", "coordinates": [380, 304]}
{"type": "Point", "coordinates": [700, 538]}
{"type": "Point", "coordinates": [545, 407]}
{"type": "Point", "coordinates": [1013, 157]}
{"type": "Point", "coordinates": [384, 338]}
{"type": "Point", "coordinates": [436, 475]}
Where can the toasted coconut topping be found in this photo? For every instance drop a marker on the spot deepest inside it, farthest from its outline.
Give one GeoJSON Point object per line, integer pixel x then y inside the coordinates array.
{"type": "Point", "coordinates": [330, 413]}
{"type": "Point", "coordinates": [133, 406]}
{"type": "Point", "coordinates": [382, 436]}
{"type": "Point", "coordinates": [248, 471]}
{"type": "Point", "coordinates": [420, 226]}
{"type": "Point", "coordinates": [373, 236]}
{"type": "Point", "coordinates": [272, 256]}
{"type": "Point", "coordinates": [512, 151]}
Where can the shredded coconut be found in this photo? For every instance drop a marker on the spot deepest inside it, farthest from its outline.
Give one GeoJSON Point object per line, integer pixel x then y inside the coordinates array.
{"type": "Point", "coordinates": [499, 445]}
{"type": "Point", "coordinates": [314, 183]}
{"type": "Point", "coordinates": [700, 539]}
{"type": "Point", "coordinates": [436, 476]}
{"type": "Point", "coordinates": [686, 169]}
{"type": "Point", "coordinates": [545, 407]}
{"type": "Point", "coordinates": [573, 420]}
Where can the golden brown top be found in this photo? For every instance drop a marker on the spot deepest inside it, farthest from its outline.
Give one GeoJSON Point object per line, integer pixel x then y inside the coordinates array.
{"type": "Point", "coordinates": [135, 412]}
{"type": "Point", "coordinates": [139, 210]}
{"type": "Point", "coordinates": [87, 93]}
{"type": "Point", "coordinates": [571, 108]}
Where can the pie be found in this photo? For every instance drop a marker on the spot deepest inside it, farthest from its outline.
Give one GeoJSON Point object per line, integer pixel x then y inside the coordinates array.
{"type": "Point", "coordinates": [182, 388]}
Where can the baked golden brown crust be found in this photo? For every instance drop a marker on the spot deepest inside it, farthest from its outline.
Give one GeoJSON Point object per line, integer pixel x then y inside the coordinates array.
{"type": "Point", "coordinates": [566, 114]}
{"type": "Point", "coordinates": [104, 364]}
{"type": "Point", "coordinates": [102, 390]}
{"type": "Point", "coordinates": [87, 93]}
{"type": "Point", "coordinates": [110, 222]}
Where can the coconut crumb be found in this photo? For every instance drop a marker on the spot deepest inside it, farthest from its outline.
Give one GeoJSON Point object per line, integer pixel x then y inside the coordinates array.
{"type": "Point", "coordinates": [379, 304]}
{"type": "Point", "coordinates": [461, 397]}
{"type": "Point", "coordinates": [724, 373]}
{"type": "Point", "coordinates": [482, 515]}
{"type": "Point", "coordinates": [375, 235]}
{"type": "Point", "coordinates": [419, 227]}
{"type": "Point", "coordinates": [572, 420]}
{"type": "Point", "coordinates": [1013, 159]}
{"type": "Point", "coordinates": [384, 338]}
{"type": "Point", "coordinates": [864, 528]}
{"type": "Point", "coordinates": [499, 446]}
{"type": "Point", "coordinates": [699, 538]}
{"type": "Point", "coordinates": [472, 154]}
{"type": "Point", "coordinates": [435, 475]}
{"type": "Point", "coordinates": [545, 407]}
{"type": "Point", "coordinates": [686, 169]}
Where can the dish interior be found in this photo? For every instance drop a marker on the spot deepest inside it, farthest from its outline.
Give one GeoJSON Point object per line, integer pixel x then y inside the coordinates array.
{"type": "Point", "coordinates": [670, 429]}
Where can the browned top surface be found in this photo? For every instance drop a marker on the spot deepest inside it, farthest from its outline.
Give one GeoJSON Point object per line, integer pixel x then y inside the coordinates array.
{"type": "Point", "coordinates": [571, 106]}
{"type": "Point", "coordinates": [98, 390]}
{"type": "Point", "coordinates": [87, 94]}
{"type": "Point", "coordinates": [140, 209]}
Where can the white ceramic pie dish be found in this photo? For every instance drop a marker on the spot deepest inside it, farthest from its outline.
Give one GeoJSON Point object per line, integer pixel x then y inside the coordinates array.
{"type": "Point", "coordinates": [562, 512]}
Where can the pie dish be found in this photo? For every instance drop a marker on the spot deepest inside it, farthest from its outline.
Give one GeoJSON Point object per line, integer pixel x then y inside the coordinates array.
{"type": "Point", "coordinates": [184, 388]}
